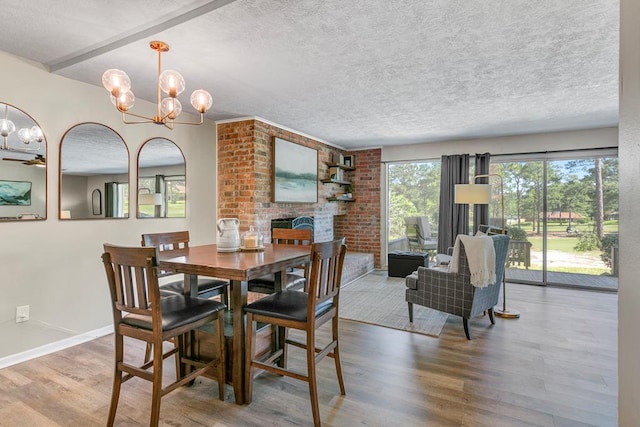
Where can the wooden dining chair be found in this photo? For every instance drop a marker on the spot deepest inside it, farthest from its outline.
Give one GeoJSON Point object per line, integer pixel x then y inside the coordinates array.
{"type": "Point", "coordinates": [139, 312]}
{"type": "Point", "coordinates": [208, 287]}
{"type": "Point", "coordinates": [173, 241]}
{"type": "Point", "coordinates": [285, 236]}
{"type": "Point", "coordinates": [306, 311]}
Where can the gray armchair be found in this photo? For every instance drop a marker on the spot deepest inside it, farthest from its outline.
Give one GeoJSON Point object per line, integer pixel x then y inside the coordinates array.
{"type": "Point", "coordinates": [453, 293]}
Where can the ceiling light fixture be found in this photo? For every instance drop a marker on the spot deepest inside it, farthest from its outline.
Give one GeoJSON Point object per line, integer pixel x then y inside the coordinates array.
{"type": "Point", "coordinates": [170, 82]}
{"type": "Point", "coordinates": [26, 135]}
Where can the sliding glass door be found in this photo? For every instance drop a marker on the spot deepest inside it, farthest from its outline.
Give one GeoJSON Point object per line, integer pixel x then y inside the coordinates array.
{"type": "Point", "coordinates": [414, 205]}
{"type": "Point", "coordinates": [562, 214]}
{"type": "Point", "coordinates": [561, 210]}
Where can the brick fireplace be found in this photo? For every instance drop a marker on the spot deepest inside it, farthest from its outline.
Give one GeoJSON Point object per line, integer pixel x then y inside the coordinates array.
{"type": "Point", "coordinates": [244, 186]}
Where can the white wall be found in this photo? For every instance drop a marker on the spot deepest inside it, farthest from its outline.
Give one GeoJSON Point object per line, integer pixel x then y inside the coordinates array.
{"type": "Point", "coordinates": [556, 141]}
{"type": "Point", "coordinates": [54, 266]}
{"type": "Point", "coordinates": [629, 288]}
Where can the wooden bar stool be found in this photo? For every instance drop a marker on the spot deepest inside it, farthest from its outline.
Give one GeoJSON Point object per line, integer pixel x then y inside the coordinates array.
{"type": "Point", "coordinates": [306, 311]}
{"type": "Point", "coordinates": [139, 312]}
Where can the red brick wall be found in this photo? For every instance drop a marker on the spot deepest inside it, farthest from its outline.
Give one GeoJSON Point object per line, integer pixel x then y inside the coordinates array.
{"type": "Point", "coordinates": [362, 223]}
{"type": "Point", "coordinates": [245, 186]}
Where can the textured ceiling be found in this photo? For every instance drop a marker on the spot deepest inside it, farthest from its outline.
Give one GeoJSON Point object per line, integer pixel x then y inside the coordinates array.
{"type": "Point", "coordinates": [356, 73]}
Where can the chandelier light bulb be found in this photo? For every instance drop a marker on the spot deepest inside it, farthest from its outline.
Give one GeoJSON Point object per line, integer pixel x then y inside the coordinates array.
{"type": "Point", "coordinates": [172, 83]}
{"type": "Point", "coordinates": [36, 134]}
{"type": "Point", "coordinates": [116, 81]}
{"type": "Point", "coordinates": [123, 101]}
{"type": "Point", "coordinates": [201, 100]}
{"type": "Point", "coordinates": [24, 135]}
{"type": "Point", "coordinates": [171, 108]}
{"type": "Point", "coordinates": [7, 127]}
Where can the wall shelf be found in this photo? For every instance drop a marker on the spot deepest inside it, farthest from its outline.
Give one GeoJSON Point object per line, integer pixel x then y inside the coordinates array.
{"type": "Point", "coordinates": [340, 199]}
{"type": "Point", "coordinates": [336, 176]}
{"type": "Point", "coordinates": [341, 166]}
{"type": "Point", "coordinates": [334, 181]}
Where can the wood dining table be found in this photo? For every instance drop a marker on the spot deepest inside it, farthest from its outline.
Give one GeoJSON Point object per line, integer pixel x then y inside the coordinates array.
{"type": "Point", "coordinates": [238, 267]}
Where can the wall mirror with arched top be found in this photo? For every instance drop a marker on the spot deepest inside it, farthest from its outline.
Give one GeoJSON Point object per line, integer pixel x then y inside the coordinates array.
{"type": "Point", "coordinates": [93, 157]}
{"type": "Point", "coordinates": [161, 180]}
{"type": "Point", "coordinates": [23, 166]}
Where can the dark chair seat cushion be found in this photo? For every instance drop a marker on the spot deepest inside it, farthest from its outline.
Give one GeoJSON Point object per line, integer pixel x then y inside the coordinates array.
{"type": "Point", "coordinates": [287, 305]}
{"type": "Point", "coordinates": [177, 311]}
{"type": "Point", "coordinates": [205, 285]}
{"type": "Point", "coordinates": [267, 284]}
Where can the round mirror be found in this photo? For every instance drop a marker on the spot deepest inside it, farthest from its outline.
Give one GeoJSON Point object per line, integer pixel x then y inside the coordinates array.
{"type": "Point", "coordinates": [161, 180]}
{"type": "Point", "coordinates": [23, 169]}
{"type": "Point", "coordinates": [94, 173]}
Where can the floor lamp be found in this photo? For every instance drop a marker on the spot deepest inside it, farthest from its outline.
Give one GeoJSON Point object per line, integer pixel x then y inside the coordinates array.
{"type": "Point", "coordinates": [481, 194]}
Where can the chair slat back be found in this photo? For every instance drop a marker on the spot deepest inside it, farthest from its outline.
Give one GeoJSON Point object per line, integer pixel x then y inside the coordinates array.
{"type": "Point", "coordinates": [291, 236]}
{"type": "Point", "coordinates": [327, 259]}
{"type": "Point", "coordinates": [132, 277]}
{"type": "Point", "coordinates": [167, 243]}
{"type": "Point", "coordinates": [170, 241]}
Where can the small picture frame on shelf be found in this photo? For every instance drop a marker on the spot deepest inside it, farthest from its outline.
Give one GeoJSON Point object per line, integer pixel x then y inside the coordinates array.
{"type": "Point", "coordinates": [349, 161]}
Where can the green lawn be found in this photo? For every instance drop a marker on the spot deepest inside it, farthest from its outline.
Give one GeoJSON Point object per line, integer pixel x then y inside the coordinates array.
{"type": "Point", "coordinates": [176, 210]}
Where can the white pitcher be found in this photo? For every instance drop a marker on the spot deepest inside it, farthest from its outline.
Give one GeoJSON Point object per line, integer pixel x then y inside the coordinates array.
{"type": "Point", "coordinates": [228, 235]}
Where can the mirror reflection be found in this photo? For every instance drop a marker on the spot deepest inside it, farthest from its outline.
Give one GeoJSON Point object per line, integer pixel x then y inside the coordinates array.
{"type": "Point", "coordinates": [93, 157]}
{"type": "Point", "coordinates": [23, 172]}
{"type": "Point", "coordinates": [161, 180]}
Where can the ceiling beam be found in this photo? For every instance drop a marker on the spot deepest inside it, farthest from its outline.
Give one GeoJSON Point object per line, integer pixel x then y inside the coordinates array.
{"type": "Point", "coordinates": [161, 24]}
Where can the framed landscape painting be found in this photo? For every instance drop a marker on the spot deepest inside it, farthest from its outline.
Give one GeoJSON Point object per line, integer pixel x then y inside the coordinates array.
{"type": "Point", "coordinates": [295, 172]}
{"type": "Point", "coordinates": [15, 193]}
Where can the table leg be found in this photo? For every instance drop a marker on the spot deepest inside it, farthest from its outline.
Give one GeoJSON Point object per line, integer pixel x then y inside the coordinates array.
{"type": "Point", "coordinates": [280, 281]}
{"type": "Point", "coordinates": [190, 288]}
{"type": "Point", "coordinates": [191, 284]}
{"type": "Point", "coordinates": [239, 290]}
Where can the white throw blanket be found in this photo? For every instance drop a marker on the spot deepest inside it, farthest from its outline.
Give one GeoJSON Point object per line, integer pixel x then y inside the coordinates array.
{"type": "Point", "coordinates": [481, 257]}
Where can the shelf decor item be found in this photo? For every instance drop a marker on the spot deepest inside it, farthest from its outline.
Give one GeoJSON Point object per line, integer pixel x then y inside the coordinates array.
{"type": "Point", "coordinates": [295, 172]}
{"type": "Point", "coordinates": [350, 161]}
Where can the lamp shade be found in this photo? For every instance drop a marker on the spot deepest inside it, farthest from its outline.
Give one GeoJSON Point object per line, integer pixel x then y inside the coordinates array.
{"type": "Point", "coordinates": [150, 199]}
{"type": "Point", "coordinates": [472, 194]}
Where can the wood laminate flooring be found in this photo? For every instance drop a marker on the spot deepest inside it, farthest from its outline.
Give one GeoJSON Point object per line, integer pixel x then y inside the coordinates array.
{"type": "Point", "coordinates": [555, 366]}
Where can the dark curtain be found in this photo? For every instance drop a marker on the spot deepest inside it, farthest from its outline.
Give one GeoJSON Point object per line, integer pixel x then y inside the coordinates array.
{"type": "Point", "coordinates": [454, 218]}
{"type": "Point", "coordinates": [481, 212]}
{"type": "Point", "coordinates": [110, 199]}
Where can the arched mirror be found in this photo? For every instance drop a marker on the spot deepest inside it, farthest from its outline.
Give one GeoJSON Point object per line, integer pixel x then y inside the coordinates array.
{"type": "Point", "coordinates": [93, 157]}
{"type": "Point", "coordinates": [23, 168]}
{"type": "Point", "coordinates": [161, 180]}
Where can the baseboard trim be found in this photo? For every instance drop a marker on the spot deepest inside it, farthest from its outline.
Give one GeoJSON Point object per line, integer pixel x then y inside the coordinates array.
{"type": "Point", "coordinates": [14, 359]}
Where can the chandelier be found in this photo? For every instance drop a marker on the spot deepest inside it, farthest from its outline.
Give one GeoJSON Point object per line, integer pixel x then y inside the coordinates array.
{"type": "Point", "coordinates": [170, 82]}
{"type": "Point", "coordinates": [31, 137]}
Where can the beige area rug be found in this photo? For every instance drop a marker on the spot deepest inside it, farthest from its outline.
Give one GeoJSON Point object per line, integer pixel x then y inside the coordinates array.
{"type": "Point", "coordinates": [379, 300]}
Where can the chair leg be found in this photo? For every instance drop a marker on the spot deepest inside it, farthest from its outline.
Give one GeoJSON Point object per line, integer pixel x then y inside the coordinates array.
{"type": "Point", "coordinates": [465, 323]}
{"type": "Point", "coordinates": [249, 343]}
{"type": "Point", "coordinates": [311, 377]}
{"type": "Point", "coordinates": [117, 379]}
{"type": "Point", "coordinates": [493, 320]}
{"type": "Point", "coordinates": [157, 382]}
{"type": "Point", "coordinates": [222, 369]}
{"type": "Point", "coordinates": [147, 352]}
{"type": "Point", "coordinates": [336, 355]}
{"type": "Point", "coordinates": [410, 311]}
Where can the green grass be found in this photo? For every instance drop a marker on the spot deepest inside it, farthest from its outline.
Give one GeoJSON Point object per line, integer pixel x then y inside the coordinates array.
{"type": "Point", "coordinates": [176, 210]}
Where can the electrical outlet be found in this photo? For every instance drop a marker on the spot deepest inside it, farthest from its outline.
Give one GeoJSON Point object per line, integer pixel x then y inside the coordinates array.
{"type": "Point", "coordinates": [22, 313]}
